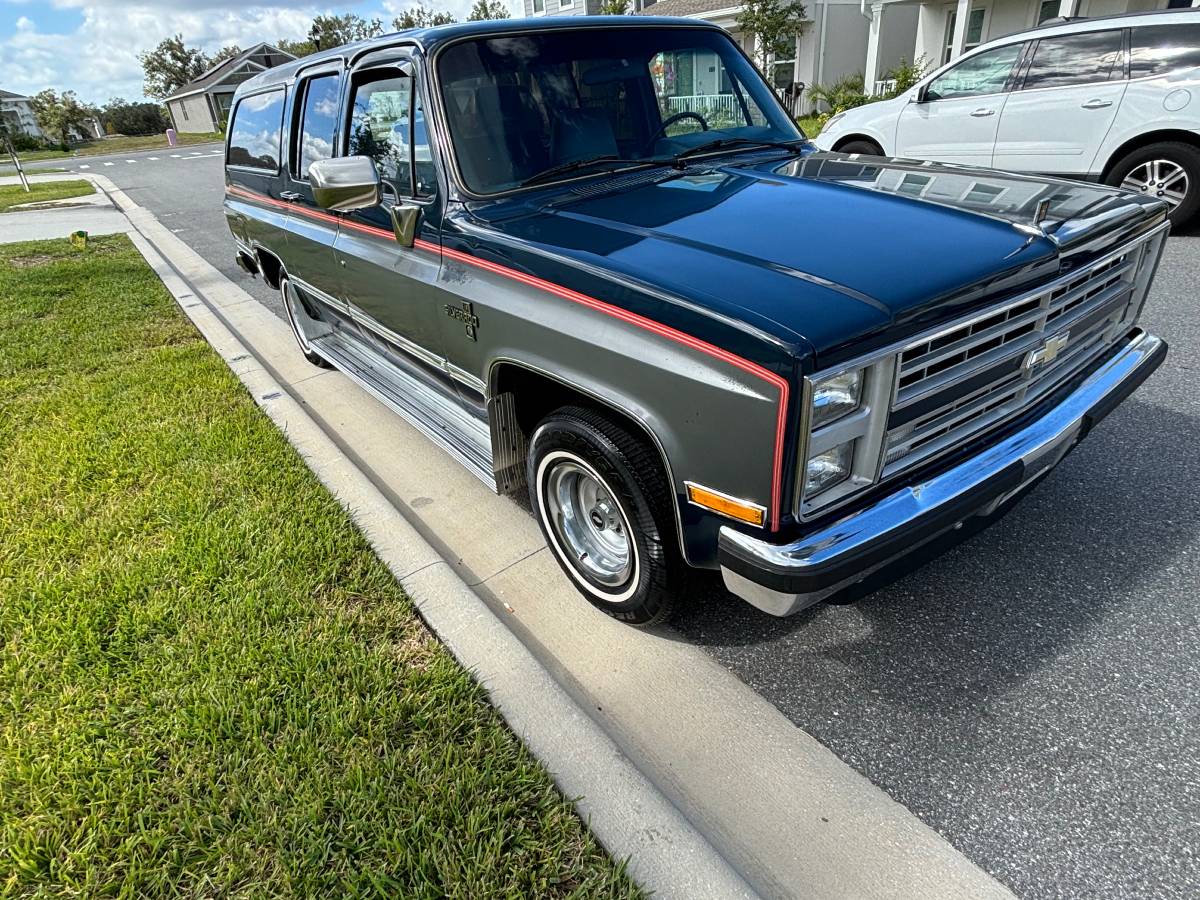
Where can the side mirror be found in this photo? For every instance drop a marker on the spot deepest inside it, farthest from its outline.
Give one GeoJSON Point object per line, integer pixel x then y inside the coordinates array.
{"type": "Point", "coordinates": [345, 183]}
{"type": "Point", "coordinates": [922, 94]}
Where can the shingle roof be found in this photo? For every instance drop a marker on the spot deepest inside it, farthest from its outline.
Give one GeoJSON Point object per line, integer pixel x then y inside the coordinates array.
{"type": "Point", "coordinates": [685, 7]}
{"type": "Point", "coordinates": [213, 75]}
{"type": "Point", "coordinates": [9, 95]}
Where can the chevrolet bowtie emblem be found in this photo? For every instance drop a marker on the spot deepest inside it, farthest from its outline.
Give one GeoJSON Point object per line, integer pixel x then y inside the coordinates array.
{"type": "Point", "coordinates": [1048, 352]}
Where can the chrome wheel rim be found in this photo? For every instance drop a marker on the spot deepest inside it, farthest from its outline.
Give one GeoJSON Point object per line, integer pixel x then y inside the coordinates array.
{"type": "Point", "coordinates": [295, 312]}
{"type": "Point", "coordinates": [1159, 178]}
{"type": "Point", "coordinates": [589, 524]}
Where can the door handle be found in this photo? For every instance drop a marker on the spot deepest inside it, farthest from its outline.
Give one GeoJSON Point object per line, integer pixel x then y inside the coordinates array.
{"type": "Point", "coordinates": [983, 113]}
{"type": "Point", "coordinates": [1097, 104]}
{"type": "Point", "coordinates": [289, 195]}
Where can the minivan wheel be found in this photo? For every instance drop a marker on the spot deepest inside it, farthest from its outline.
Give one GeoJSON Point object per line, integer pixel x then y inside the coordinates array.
{"type": "Point", "coordinates": [297, 316]}
{"type": "Point", "coordinates": [1168, 171]}
{"type": "Point", "coordinates": [604, 506]}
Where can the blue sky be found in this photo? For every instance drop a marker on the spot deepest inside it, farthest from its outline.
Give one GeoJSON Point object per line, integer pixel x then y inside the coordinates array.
{"type": "Point", "coordinates": [91, 46]}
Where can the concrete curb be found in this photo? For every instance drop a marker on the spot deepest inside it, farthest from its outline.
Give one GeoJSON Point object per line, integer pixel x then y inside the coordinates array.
{"type": "Point", "coordinates": [626, 812]}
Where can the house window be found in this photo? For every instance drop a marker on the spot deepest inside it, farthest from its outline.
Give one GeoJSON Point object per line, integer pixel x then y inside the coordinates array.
{"type": "Point", "coordinates": [976, 20]}
{"type": "Point", "coordinates": [566, 4]}
{"type": "Point", "coordinates": [539, 6]}
{"type": "Point", "coordinates": [1047, 9]}
{"type": "Point", "coordinates": [183, 108]}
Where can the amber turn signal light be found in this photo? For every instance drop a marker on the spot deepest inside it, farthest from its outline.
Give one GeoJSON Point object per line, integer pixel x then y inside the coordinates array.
{"type": "Point", "coordinates": [741, 510]}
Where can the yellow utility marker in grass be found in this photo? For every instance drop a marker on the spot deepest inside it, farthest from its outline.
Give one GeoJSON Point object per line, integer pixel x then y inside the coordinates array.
{"type": "Point", "coordinates": [209, 685]}
{"type": "Point", "coordinates": [41, 191]}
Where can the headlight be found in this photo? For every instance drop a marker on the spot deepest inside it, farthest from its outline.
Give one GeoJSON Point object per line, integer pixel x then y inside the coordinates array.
{"type": "Point", "coordinates": [828, 468]}
{"type": "Point", "coordinates": [836, 396]}
{"type": "Point", "coordinates": [846, 420]}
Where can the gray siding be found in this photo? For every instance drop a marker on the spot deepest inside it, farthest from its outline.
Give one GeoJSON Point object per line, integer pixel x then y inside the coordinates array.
{"type": "Point", "coordinates": [553, 8]}
{"type": "Point", "coordinates": [192, 115]}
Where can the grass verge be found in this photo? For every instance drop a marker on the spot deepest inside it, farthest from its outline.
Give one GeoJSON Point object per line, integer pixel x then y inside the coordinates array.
{"type": "Point", "coordinates": [121, 144]}
{"type": "Point", "coordinates": [810, 125]}
{"type": "Point", "coordinates": [209, 685]}
{"type": "Point", "coordinates": [42, 191]}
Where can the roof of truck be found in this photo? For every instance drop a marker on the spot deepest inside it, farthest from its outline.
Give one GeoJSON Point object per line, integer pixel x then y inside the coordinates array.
{"type": "Point", "coordinates": [429, 38]}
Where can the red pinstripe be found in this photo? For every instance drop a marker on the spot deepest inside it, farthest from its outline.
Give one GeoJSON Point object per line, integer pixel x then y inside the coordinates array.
{"type": "Point", "coordinates": [632, 318]}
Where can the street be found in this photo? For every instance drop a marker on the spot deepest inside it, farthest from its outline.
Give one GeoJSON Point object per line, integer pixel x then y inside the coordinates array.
{"type": "Point", "coordinates": [1032, 693]}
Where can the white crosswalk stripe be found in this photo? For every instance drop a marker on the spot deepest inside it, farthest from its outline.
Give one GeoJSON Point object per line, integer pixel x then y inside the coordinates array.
{"type": "Point", "coordinates": [108, 164]}
{"type": "Point", "coordinates": [152, 158]}
{"type": "Point", "coordinates": [85, 167]}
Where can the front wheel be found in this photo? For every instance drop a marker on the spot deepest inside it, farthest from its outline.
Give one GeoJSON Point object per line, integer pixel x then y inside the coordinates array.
{"type": "Point", "coordinates": [1169, 171]}
{"type": "Point", "coordinates": [604, 506]}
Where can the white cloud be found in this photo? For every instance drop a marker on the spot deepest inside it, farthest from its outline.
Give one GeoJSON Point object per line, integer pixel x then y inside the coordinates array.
{"type": "Point", "coordinates": [98, 60]}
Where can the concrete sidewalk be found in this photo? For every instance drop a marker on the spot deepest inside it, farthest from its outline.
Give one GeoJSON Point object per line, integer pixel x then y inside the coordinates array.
{"type": "Point", "coordinates": [94, 214]}
{"type": "Point", "coordinates": [770, 802]}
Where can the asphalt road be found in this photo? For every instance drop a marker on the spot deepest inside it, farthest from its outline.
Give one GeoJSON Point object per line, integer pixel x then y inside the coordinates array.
{"type": "Point", "coordinates": [1034, 692]}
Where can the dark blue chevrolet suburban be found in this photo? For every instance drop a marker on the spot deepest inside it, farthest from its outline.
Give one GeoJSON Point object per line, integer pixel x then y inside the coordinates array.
{"type": "Point", "coordinates": [596, 260]}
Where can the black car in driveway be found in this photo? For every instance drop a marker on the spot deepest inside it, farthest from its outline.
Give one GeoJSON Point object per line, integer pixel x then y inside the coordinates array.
{"type": "Point", "coordinates": [596, 260]}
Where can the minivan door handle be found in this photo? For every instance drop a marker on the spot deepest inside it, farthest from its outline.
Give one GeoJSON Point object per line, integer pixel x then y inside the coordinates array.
{"type": "Point", "coordinates": [289, 195]}
{"type": "Point", "coordinates": [983, 113]}
{"type": "Point", "coordinates": [1097, 104]}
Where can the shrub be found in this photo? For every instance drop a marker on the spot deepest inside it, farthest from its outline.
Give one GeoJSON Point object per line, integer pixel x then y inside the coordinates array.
{"type": "Point", "coordinates": [849, 91]}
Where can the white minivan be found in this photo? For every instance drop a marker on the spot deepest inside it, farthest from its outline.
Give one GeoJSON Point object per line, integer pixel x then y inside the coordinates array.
{"type": "Point", "coordinates": [1114, 100]}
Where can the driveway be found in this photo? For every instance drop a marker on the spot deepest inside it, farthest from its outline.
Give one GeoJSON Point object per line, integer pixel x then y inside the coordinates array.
{"type": "Point", "coordinates": [1032, 693]}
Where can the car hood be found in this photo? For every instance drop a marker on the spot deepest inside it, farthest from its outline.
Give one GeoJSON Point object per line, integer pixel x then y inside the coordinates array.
{"type": "Point", "coordinates": [836, 252]}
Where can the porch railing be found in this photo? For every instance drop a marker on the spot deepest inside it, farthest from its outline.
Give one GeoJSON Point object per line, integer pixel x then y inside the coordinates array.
{"type": "Point", "coordinates": [884, 86]}
{"type": "Point", "coordinates": [711, 106]}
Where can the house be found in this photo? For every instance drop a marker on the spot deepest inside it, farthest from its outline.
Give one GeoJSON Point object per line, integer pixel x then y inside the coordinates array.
{"type": "Point", "coordinates": [202, 105]}
{"type": "Point", "coordinates": [16, 114]}
{"type": "Point", "coordinates": [945, 30]}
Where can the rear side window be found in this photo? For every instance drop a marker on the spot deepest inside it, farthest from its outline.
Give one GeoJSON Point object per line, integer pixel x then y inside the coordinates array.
{"type": "Point", "coordinates": [1076, 59]}
{"type": "Point", "coordinates": [318, 127]}
{"type": "Point", "coordinates": [1158, 49]}
{"type": "Point", "coordinates": [256, 135]}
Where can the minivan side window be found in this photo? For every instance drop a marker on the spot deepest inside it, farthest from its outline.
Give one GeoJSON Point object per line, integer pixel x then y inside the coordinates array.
{"type": "Point", "coordinates": [1159, 49]}
{"type": "Point", "coordinates": [318, 125]}
{"type": "Point", "coordinates": [256, 134]}
{"type": "Point", "coordinates": [1087, 58]}
{"type": "Point", "coordinates": [387, 123]}
{"type": "Point", "coordinates": [983, 73]}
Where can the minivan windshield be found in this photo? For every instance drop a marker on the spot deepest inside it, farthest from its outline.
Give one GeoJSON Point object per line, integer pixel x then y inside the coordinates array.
{"type": "Point", "coordinates": [535, 108]}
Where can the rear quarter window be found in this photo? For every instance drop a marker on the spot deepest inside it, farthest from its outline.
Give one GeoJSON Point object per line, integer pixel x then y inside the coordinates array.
{"type": "Point", "coordinates": [256, 134]}
{"type": "Point", "coordinates": [1159, 49]}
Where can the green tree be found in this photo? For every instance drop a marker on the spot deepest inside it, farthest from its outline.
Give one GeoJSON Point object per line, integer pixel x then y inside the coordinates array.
{"type": "Point", "coordinates": [421, 16]}
{"type": "Point", "coordinates": [61, 114]}
{"type": "Point", "coordinates": [614, 7]}
{"type": "Point", "coordinates": [327, 32]}
{"type": "Point", "coordinates": [487, 9]}
{"type": "Point", "coordinates": [170, 66]}
{"type": "Point", "coordinates": [225, 53]}
{"type": "Point", "coordinates": [775, 25]}
{"type": "Point", "coordinates": [122, 117]}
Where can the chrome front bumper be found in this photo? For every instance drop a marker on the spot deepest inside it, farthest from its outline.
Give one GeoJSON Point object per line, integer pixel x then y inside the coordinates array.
{"type": "Point", "coordinates": [782, 579]}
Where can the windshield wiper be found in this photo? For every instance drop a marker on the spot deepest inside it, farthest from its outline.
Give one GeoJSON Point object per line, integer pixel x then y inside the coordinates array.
{"type": "Point", "coordinates": [580, 164]}
{"type": "Point", "coordinates": [747, 143]}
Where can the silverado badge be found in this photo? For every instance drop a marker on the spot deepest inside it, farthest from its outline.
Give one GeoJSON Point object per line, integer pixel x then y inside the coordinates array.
{"type": "Point", "coordinates": [465, 313]}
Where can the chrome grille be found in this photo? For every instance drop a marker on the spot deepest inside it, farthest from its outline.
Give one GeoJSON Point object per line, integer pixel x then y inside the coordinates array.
{"type": "Point", "coordinates": [960, 380]}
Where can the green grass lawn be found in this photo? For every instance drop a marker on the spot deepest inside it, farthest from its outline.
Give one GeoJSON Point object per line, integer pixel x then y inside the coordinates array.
{"type": "Point", "coordinates": [209, 685]}
{"type": "Point", "coordinates": [41, 191]}
{"type": "Point", "coordinates": [118, 144]}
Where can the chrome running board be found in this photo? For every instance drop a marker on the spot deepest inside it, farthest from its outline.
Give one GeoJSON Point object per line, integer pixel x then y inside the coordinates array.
{"type": "Point", "coordinates": [440, 418]}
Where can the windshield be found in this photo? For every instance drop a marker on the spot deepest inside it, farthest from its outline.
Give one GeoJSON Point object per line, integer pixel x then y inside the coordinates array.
{"type": "Point", "coordinates": [520, 105]}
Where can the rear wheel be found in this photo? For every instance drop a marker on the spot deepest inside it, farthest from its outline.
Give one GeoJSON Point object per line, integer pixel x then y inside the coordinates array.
{"type": "Point", "coordinates": [863, 146]}
{"type": "Point", "coordinates": [604, 506]}
{"type": "Point", "coordinates": [298, 317]}
{"type": "Point", "coordinates": [1169, 171]}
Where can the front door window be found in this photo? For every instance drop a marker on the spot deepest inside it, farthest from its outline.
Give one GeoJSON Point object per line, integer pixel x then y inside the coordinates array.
{"type": "Point", "coordinates": [984, 73]}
